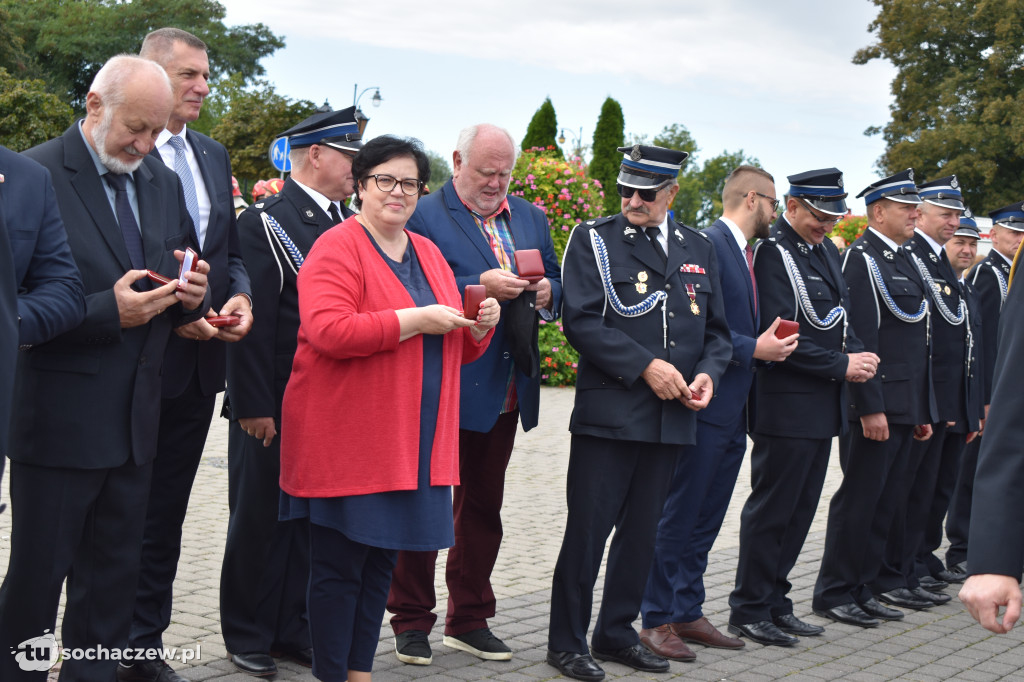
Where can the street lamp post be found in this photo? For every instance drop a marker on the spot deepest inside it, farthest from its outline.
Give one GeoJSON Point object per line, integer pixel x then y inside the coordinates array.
{"type": "Point", "coordinates": [361, 118]}
{"type": "Point", "coordinates": [578, 139]}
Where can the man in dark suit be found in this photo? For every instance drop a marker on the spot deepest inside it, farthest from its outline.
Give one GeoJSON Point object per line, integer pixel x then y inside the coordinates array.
{"type": "Point", "coordinates": [85, 423]}
{"type": "Point", "coordinates": [266, 561]}
{"type": "Point", "coordinates": [990, 281]}
{"type": "Point", "coordinates": [996, 550]}
{"type": "Point", "coordinates": [889, 310]}
{"type": "Point", "coordinates": [40, 288]}
{"type": "Point", "coordinates": [706, 472]}
{"type": "Point", "coordinates": [195, 358]}
{"type": "Point", "coordinates": [934, 463]}
{"type": "Point", "coordinates": [800, 404]}
{"type": "Point", "coordinates": [644, 307]}
{"type": "Point", "coordinates": [478, 228]}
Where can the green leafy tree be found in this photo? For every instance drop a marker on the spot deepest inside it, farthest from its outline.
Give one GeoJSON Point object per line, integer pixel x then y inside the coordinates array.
{"type": "Point", "coordinates": [543, 129]}
{"type": "Point", "coordinates": [707, 183]}
{"type": "Point", "coordinates": [958, 95]}
{"type": "Point", "coordinates": [440, 170]}
{"type": "Point", "coordinates": [29, 115]}
{"type": "Point", "coordinates": [608, 137]}
{"type": "Point", "coordinates": [251, 121]}
{"type": "Point", "coordinates": [65, 43]}
{"type": "Point", "coordinates": [689, 199]}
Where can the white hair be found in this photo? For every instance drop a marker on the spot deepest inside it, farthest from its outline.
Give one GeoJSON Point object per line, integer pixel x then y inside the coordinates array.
{"type": "Point", "coordinates": [468, 136]}
{"type": "Point", "coordinates": [111, 79]}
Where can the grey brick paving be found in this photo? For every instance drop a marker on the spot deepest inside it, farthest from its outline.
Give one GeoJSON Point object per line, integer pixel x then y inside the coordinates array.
{"type": "Point", "coordinates": [940, 644]}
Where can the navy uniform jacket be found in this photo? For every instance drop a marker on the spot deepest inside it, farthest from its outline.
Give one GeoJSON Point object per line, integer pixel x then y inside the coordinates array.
{"type": "Point", "coordinates": [902, 387]}
{"type": "Point", "coordinates": [259, 365]}
{"type": "Point", "coordinates": [997, 514]}
{"type": "Point", "coordinates": [42, 290]}
{"type": "Point", "coordinates": [227, 277]}
{"type": "Point", "coordinates": [612, 399]}
{"type": "Point", "coordinates": [949, 342]}
{"type": "Point", "coordinates": [989, 280]}
{"type": "Point", "coordinates": [805, 396]}
{"type": "Point", "coordinates": [442, 218]}
{"type": "Point", "coordinates": [90, 398]}
{"type": "Point", "coordinates": [731, 395]}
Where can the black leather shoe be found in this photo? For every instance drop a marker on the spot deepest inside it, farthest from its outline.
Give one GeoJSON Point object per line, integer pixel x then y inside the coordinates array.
{"type": "Point", "coordinates": [903, 597]}
{"type": "Point", "coordinates": [258, 665]}
{"type": "Point", "coordinates": [876, 610]}
{"type": "Point", "coordinates": [928, 595]}
{"type": "Point", "coordinates": [574, 665]}
{"type": "Point", "coordinates": [303, 657]}
{"type": "Point", "coordinates": [763, 632]}
{"type": "Point", "coordinates": [851, 614]}
{"type": "Point", "coordinates": [956, 573]}
{"type": "Point", "coordinates": [794, 626]}
{"type": "Point", "coordinates": [932, 584]}
{"type": "Point", "coordinates": [148, 671]}
{"type": "Point", "coordinates": [637, 657]}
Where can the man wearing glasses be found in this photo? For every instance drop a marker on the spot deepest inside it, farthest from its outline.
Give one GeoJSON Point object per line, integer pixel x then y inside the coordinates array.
{"type": "Point", "coordinates": [890, 311]}
{"type": "Point", "coordinates": [800, 404]}
{"type": "Point", "coordinates": [644, 307]}
{"type": "Point", "coordinates": [706, 472]}
{"type": "Point", "coordinates": [266, 561]}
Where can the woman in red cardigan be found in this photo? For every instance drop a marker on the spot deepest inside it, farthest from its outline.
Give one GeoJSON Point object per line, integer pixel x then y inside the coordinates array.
{"type": "Point", "coordinates": [369, 447]}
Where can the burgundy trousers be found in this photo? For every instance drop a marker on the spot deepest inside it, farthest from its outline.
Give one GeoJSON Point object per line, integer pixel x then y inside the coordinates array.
{"type": "Point", "coordinates": [483, 459]}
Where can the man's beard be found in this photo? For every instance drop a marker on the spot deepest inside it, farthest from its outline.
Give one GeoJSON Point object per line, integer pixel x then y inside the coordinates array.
{"type": "Point", "coordinates": [764, 223]}
{"type": "Point", "coordinates": [113, 164]}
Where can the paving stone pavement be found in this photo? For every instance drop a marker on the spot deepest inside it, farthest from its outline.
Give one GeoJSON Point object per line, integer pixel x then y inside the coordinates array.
{"type": "Point", "coordinates": [942, 643]}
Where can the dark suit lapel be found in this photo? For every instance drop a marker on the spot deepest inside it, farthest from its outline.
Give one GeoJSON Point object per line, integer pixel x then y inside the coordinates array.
{"type": "Point", "coordinates": [93, 195]}
{"type": "Point", "coordinates": [148, 194]}
{"type": "Point", "coordinates": [207, 171]}
{"type": "Point", "coordinates": [462, 218]}
{"type": "Point", "coordinates": [740, 259]}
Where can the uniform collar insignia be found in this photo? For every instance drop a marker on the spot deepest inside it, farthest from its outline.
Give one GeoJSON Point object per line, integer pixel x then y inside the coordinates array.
{"type": "Point", "coordinates": [629, 231]}
{"type": "Point", "coordinates": [802, 247]}
{"type": "Point", "coordinates": [889, 255]}
{"type": "Point", "coordinates": [679, 235]}
{"type": "Point", "coordinates": [935, 259]}
{"type": "Point", "coordinates": [309, 213]}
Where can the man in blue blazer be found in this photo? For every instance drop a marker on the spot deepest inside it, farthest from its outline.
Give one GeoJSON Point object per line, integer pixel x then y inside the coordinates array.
{"type": "Point", "coordinates": [194, 364]}
{"type": "Point", "coordinates": [478, 228]}
{"type": "Point", "coordinates": [706, 472]}
{"type": "Point", "coordinates": [84, 427]}
{"type": "Point", "coordinates": [40, 288]}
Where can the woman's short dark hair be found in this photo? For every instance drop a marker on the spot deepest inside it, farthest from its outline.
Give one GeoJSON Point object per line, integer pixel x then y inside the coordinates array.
{"type": "Point", "coordinates": [382, 149]}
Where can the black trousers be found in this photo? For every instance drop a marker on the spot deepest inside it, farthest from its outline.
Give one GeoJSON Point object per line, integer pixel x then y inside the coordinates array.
{"type": "Point", "coordinates": [84, 525]}
{"type": "Point", "coordinates": [861, 514]}
{"type": "Point", "coordinates": [184, 425]}
{"type": "Point", "coordinates": [786, 478]}
{"type": "Point", "coordinates": [610, 484]}
{"type": "Point", "coordinates": [265, 572]}
{"type": "Point", "coordinates": [958, 520]}
{"type": "Point", "coordinates": [926, 563]}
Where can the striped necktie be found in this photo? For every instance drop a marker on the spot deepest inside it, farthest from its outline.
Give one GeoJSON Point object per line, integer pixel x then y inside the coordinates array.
{"type": "Point", "coordinates": [188, 183]}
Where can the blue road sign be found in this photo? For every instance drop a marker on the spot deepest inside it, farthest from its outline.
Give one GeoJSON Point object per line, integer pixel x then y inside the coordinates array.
{"type": "Point", "coordinates": [279, 155]}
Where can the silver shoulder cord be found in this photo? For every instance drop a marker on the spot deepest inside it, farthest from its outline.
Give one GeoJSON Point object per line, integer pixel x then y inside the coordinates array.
{"type": "Point", "coordinates": [962, 317]}
{"type": "Point", "coordinates": [276, 235]}
{"type": "Point", "coordinates": [800, 289]}
{"type": "Point", "coordinates": [611, 298]}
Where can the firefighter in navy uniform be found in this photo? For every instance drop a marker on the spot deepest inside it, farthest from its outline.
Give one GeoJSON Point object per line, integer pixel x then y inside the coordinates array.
{"type": "Point", "coordinates": [990, 280]}
{"type": "Point", "coordinates": [889, 308]}
{"type": "Point", "coordinates": [800, 404]}
{"type": "Point", "coordinates": [642, 305]}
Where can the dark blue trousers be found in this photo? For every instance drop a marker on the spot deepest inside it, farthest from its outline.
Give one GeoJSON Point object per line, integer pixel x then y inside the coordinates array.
{"type": "Point", "coordinates": [696, 505]}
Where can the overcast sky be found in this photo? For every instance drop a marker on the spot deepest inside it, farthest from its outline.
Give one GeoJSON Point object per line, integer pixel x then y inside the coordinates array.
{"type": "Point", "coordinates": [774, 79]}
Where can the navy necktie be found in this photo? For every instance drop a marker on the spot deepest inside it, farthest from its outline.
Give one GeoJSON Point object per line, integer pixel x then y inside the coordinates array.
{"type": "Point", "coordinates": [333, 210]}
{"type": "Point", "coordinates": [653, 233]}
{"type": "Point", "coordinates": [126, 219]}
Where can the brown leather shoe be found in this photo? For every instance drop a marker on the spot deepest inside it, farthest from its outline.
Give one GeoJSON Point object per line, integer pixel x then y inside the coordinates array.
{"type": "Point", "coordinates": [703, 632]}
{"type": "Point", "coordinates": [664, 643]}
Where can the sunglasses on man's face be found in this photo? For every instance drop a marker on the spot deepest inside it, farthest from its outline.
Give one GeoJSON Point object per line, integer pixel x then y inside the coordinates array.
{"type": "Point", "coordinates": [646, 193]}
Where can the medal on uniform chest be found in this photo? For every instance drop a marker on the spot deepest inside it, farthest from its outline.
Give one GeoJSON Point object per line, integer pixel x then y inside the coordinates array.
{"type": "Point", "coordinates": [641, 285]}
{"type": "Point", "coordinates": [692, 293]}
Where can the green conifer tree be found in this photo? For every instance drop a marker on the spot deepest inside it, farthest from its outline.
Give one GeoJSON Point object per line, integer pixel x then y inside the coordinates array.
{"type": "Point", "coordinates": [543, 129]}
{"type": "Point", "coordinates": [608, 136]}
